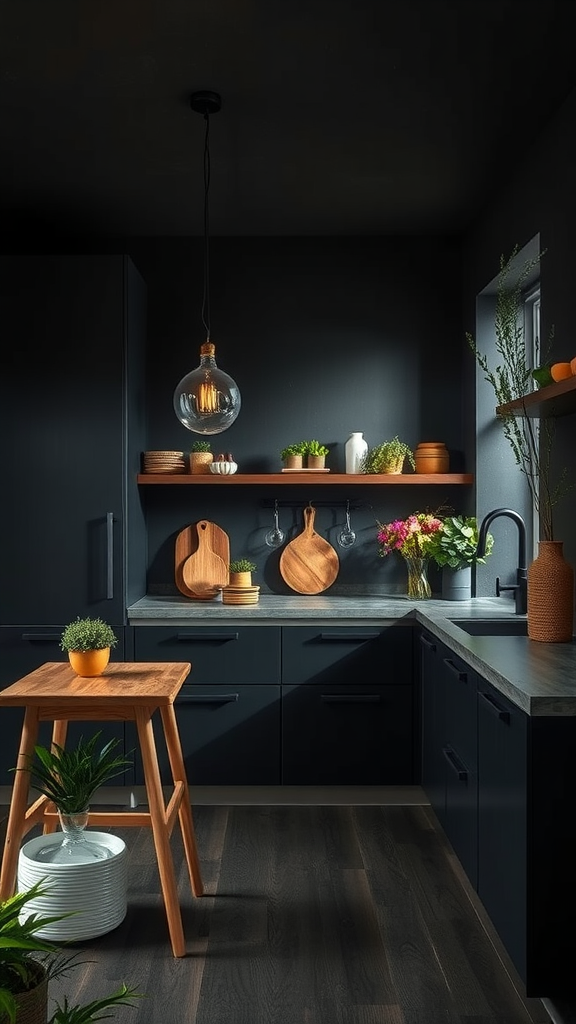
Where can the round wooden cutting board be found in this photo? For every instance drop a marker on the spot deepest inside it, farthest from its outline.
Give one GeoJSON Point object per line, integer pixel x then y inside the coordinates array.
{"type": "Point", "coordinates": [309, 564]}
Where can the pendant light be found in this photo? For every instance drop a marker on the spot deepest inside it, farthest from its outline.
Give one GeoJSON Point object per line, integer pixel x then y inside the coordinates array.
{"type": "Point", "coordinates": [207, 400]}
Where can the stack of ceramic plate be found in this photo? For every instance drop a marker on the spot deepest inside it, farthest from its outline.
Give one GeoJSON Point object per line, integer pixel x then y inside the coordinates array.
{"type": "Point", "coordinates": [240, 595]}
{"type": "Point", "coordinates": [93, 893]}
{"type": "Point", "coordinates": [164, 462]}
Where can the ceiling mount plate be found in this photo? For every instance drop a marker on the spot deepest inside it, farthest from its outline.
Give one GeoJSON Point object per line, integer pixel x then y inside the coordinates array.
{"type": "Point", "coordinates": [205, 102]}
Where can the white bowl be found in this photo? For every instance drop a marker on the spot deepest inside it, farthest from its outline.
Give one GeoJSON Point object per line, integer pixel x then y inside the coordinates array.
{"type": "Point", "coordinates": [223, 468]}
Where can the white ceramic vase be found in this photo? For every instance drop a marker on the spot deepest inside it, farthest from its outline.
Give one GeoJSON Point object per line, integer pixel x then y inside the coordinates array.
{"type": "Point", "coordinates": [355, 449]}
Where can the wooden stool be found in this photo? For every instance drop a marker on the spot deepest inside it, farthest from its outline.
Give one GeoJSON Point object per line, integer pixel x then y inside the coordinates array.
{"type": "Point", "coordinates": [128, 691]}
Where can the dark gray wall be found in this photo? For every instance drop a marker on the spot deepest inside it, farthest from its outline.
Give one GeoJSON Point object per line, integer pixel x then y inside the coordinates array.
{"type": "Point", "coordinates": [323, 336]}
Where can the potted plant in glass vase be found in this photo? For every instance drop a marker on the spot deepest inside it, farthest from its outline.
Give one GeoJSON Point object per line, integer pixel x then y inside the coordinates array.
{"type": "Point", "coordinates": [550, 577]}
{"type": "Point", "coordinates": [88, 643]}
{"type": "Point", "coordinates": [454, 548]}
{"type": "Point", "coordinates": [412, 538]}
{"type": "Point", "coordinates": [69, 779]}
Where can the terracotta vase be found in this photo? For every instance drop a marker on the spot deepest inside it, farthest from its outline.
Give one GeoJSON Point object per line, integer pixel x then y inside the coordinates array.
{"type": "Point", "coordinates": [200, 462]}
{"type": "Point", "coordinates": [550, 595]}
{"type": "Point", "coordinates": [431, 457]}
{"type": "Point", "coordinates": [89, 663]}
{"type": "Point", "coordinates": [241, 579]}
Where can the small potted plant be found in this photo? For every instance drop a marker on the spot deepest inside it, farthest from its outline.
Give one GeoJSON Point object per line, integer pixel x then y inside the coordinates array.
{"type": "Point", "coordinates": [293, 455]}
{"type": "Point", "coordinates": [88, 643]}
{"type": "Point", "coordinates": [316, 455]}
{"type": "Point", "coordinates": [200, 457]}
{"type": "Point", "coordinates": [387, 457]}
{"type": "Point", "coordinates": [28, 963]}
{"type": "Point", "coordinates": [241, 572]}
{"type": "Point", "coordinates": [454, 549]}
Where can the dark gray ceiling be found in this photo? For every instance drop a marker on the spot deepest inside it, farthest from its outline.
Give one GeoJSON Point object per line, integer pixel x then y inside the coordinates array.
{"type": "Point", "coordinates": [344, 117]}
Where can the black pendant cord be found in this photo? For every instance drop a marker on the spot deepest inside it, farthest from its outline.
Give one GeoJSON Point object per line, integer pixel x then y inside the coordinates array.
{"type": "Point", "coordinates": [206, 294]}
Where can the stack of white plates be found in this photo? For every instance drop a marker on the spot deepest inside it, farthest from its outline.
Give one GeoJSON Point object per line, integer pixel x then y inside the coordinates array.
{"type": "Point", "coordinates": [164, 462]}
{"type": "Point", "coordinates": [93, 893]}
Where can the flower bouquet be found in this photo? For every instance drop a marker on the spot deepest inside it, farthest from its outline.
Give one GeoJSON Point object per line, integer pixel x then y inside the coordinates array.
{"type": "Point", "coordinates": [412, 538]}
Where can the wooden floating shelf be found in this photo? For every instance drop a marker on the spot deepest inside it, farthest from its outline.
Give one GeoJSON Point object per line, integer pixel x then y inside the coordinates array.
{"type": "Point", "coordinates": [283, 479]}
{"type": "Point", "coordinates": [554, 400]}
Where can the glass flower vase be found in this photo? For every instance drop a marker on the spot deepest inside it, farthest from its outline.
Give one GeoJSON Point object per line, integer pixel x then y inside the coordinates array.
{"type": "Point", "coordinates": [76, 847]}
{"type": "Point", "coordinates": [418, 585]}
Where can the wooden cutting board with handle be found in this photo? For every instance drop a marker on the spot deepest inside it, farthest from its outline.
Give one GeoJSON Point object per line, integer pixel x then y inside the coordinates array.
{"type": "Point", "coordinates": [309, 564]}
{"type": "Point", "coordinates": [210, 538]}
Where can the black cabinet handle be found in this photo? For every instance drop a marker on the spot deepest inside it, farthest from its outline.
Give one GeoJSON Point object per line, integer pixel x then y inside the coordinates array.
{"type": "Point", "coordinates": [462, 676]}
{"type": "Point", "coordinates": [207, 698]}
{"type": "Point", "coordinates": [343, 638]}
{"type": "Point", "coordinates": [456, 764]}
{"type": "Point", "coordinates": [495, 707]}
{"type": "Point", "coordinates": [41, 638]}
{"type": "Point", "coordinates": [427, 643]}
{"type": "Point", "coordinates": [205, 637]}
{"type": "Point", "coordinates": [109, 556]}
{"type": "Point", "coordinates": [350, 698]}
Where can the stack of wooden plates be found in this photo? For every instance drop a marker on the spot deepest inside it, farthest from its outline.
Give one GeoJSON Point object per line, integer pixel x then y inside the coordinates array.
{"type": "Point", "coordinates": [164, 462]}
{"type": "Point", "coordinates": [240, 595]}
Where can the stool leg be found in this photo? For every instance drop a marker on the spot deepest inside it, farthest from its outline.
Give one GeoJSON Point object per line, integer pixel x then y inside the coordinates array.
{"type": "Point", "coordinates": [174, 748]}
{"type": "Point", "coordinates": [157, 807]}
{"type": "Point", "coordinates": [59, 731]}
{"type": "Point", "coordinates": [18, 805]}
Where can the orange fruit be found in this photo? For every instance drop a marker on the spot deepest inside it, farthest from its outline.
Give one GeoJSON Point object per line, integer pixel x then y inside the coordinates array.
{"type": "Point", "coordinates": [573, 366]}
{"type": "Point", "coordinates": [560, 371]}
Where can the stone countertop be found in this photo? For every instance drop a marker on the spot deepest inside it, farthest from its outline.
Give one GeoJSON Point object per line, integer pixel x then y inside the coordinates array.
{"type": "Point", "coordinates": [539, 678]}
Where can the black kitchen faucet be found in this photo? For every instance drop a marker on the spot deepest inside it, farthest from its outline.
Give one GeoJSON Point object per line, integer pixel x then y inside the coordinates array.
{"type": "Point", "coordinates": [520, 588]}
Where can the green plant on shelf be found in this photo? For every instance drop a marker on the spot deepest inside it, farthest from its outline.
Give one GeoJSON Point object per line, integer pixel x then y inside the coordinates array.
{"type": "Point", "coordinates": [315, 448]}
{"type": "Point", "coordinates": [299, 448]}
{"type": "Point", "coordinates": [242, 565]}
{"type": "Point", "coordinates": [387, 457]}
{"type": "Point", "coordinates": [200, 446]}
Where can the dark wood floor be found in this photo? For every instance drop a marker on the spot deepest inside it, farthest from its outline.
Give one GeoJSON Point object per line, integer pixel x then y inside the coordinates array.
{"type": "Point", "coordinates": [313, 915]}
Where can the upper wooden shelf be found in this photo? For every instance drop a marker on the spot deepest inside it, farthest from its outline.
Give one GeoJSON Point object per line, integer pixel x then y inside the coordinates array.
{"type": "Point", "coordinates": [305, 478]}
{"type": "Point", "coordinates": [554, 400]}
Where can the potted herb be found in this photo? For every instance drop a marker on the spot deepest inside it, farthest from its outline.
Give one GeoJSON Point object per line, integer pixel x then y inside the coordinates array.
{"type": "Point", "coordinates": [241, 572]}
{"type": "Point", "coordinates": [88, 643]}
{"type": "Point", "coordinates": [387, 457]}
{"type": "Point", "coordinates": [315, 454]}
{"type": "Point", "coordinates": [293, 455]}
{"type": "Point", "coordinates": [28, 963]}
{"type": "Point", "coordinates": [454, 548]}
{"type": "Point", "coordinates": [200, 457]}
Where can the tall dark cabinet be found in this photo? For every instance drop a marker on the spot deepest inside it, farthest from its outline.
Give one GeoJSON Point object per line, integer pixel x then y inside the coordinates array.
{"type": "Point", "coordinates": [73, 427]}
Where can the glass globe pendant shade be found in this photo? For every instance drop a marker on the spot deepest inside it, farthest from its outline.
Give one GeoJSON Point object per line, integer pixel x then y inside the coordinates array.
{"type": "Point", "coordinates": [207, 400]}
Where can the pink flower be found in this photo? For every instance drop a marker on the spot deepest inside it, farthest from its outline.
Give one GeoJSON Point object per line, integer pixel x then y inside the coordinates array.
{"type": "Point", "coordinates": [410, 536]}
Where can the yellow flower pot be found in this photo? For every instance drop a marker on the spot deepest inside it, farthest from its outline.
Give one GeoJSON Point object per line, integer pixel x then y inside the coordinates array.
{"type": "Point", "coordinates": [89, 663]}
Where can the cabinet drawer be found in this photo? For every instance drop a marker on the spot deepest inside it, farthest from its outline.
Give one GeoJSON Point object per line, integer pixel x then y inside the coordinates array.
{"type": "Point", "coordinates": [218, 654]}
{"type": "Point", "coordinates": [347, 654]}
{"type": "Point", "coordinates": [229, 735]}
{"type": "Point", "coordinates": [342, 735]}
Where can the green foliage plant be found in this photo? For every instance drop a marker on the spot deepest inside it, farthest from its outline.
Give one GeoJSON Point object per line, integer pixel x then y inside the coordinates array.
{"type": "Point", "coordinates": [455, 545]}
{"type": "Point", "coordinates": [315, 448]}
{"type": "Point", "coordinates": [510, 379]}
{"type": "Point", "coordinates": [299, 448]}
{"type": "Point", "coordinates": [87, 635]}
{"type": "Point", "coordinates": [200, 446]}
{"type": "Point", "coordinates": [242, 565]}
{"type": "Point", "coordinates": [383, 456]}
{"type": "Point", "coordinates": [26, 961]}
{"type": "Point", "coordinates": [71, 777]}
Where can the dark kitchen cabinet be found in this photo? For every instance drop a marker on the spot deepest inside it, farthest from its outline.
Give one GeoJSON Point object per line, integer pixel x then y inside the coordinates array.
{"type": "Point", "coordinates": [502, 818]}
{"type": "Point", "coordinates": [72, 399]}
{"type": "Point", "coordinates": [448, 690]}
{"type": "Point", "coordinates": [347, 705]}
{"type": "Point", "coordinates": [228, 711]}
{"type": "Point", "coordinates": [23, 649]}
